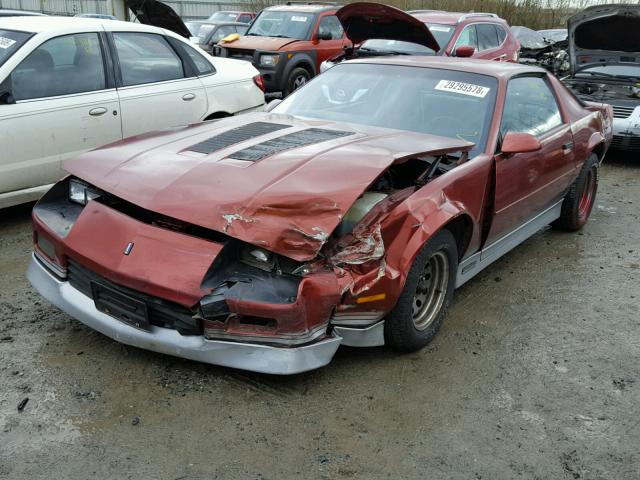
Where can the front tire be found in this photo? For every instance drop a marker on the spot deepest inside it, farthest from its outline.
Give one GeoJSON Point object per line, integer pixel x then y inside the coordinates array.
{"type": "Point", "coordinates": [297, 78]}
{"type": "Point", "coordinates": [423, 303]}
{"type": "Point", "coordinates": [580, 198]}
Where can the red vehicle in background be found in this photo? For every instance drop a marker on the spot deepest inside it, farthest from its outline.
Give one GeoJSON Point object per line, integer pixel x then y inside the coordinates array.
{"type": "Point", "coordinates": [287, 43]}
{"type": "Point", "coordinates": [380, 30]}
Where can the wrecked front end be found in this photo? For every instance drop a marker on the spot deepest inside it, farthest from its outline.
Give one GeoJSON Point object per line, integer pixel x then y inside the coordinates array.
{"type": "Point", "coordinates": [247, 294]}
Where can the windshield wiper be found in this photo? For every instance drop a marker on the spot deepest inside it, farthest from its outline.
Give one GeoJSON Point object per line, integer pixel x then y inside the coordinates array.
{"type": "Point", "coordinates": [610, 75]}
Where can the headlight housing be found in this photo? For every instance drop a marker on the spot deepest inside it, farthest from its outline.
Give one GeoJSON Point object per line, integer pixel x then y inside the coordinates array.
{"type": "Point", "coordinates": [269, 60]}
{"type": "Point", "coordinates": [80, 192]}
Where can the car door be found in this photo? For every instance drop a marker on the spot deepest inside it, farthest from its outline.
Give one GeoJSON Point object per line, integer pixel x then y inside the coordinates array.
{"type": "Point", "coordinates": [528, 183]}
{"type": "Point", "coordinates": [156, 87]}
{"type": "Point", "coordinates": [325, 49]}
{"type": "Point", "coordinates": [65, 104]}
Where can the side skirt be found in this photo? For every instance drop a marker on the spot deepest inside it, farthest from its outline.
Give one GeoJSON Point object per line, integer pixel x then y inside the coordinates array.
{"type": "Point", "coordinates": [473, 265]}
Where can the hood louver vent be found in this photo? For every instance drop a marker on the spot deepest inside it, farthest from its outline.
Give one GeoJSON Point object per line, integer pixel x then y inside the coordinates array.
{"type": "Point", "coordinates": [287, 142]}
{"type": "Point", "coordinates": [236, 135]}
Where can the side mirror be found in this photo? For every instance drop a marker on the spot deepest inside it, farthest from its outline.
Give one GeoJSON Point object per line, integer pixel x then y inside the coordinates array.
{"type": "Point", "coordinates": [6, 98]}
{"type": "Point", "coordinates": [515, 142]}
{"type": "Point", "coordinates": [325, 35]}
{"type": "Point", "coordinates": [272, 104]}
{"type": "Point", "coordinates": [464, 51]}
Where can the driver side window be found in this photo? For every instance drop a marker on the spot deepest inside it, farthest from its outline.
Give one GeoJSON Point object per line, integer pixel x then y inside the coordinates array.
{"type": "Point", "coordinates": [330, 24]}
{"type": "Point", "coordinates": [468, 37]}
{"type": "Point", "coordinates": [530, 107]}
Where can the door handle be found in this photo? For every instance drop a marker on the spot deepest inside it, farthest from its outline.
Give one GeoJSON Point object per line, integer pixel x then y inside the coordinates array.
{"type": "Point", "coordinates": [567, 147]}
{"type": "Point", "coordinates": [188, 97]}
{"type": "Point", "coordinates": [96, 112]}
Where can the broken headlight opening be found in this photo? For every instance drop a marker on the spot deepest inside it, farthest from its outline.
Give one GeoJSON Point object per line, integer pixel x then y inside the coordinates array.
{"type": "Point", "coordinates": [81, 192]}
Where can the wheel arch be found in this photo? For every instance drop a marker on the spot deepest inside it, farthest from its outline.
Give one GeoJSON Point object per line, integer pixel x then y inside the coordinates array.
{"type": "Point", "coordinates": [217, 115]}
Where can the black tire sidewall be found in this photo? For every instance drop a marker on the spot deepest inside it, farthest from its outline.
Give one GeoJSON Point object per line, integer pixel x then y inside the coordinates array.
{"type": "Point", "coordinates": [296, 72]}
{"type": "Point", "coordinates": [570, 213]}
{"type": "Point", "coordinates": [399, 330]}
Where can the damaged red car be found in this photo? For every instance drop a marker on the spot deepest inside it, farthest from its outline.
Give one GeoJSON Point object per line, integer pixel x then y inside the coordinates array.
{"type": "Point", "coordinates": [346, 215]}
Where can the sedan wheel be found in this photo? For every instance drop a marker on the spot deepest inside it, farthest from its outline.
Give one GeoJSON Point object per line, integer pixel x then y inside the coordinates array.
{"type": "Point", "coordinates": [431, 291]}
{"type": "Point", "coordinates": [580, 198]}
{"type": "Point", "coordinates": [423, 303]}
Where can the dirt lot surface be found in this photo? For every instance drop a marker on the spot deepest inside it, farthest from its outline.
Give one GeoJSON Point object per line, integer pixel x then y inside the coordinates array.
{"type": "Point", "coordinates": [533, 375]}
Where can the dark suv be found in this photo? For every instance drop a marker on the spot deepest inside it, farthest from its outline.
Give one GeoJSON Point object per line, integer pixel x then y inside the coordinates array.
{"type": "Point", "coordinates": [287, 44]}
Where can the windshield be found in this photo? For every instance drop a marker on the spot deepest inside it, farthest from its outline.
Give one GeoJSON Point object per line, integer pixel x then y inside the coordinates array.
{"type": "Point", "coordinates": [194, 28]}
{"type": "Point", "coordinates": [223, 17]}
{"type": "Point", "coordinates": [614, 71]}
{"type": "Point", "coordinates": [272, 23]}
{"type": "Point", "coordinates": [10, 41]}
{"type": "Point", "coordinates": [442, 33]}
{"type": "Point", "coordinates": [204, 32]}
{"type": "Point", "coordinates": [426, 100]}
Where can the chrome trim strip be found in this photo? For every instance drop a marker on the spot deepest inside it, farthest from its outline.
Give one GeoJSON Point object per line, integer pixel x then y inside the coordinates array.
{"type": "Point", "coordinates": [305, 337]}
{"type": "Point", "coordinates": [471, 266]}
{"type": "Point", "coordinates": [372, 336]}
{"type": "Point", "coordinates": [246, 356]}
{"type": "Point", "coordinates": [352, 319]}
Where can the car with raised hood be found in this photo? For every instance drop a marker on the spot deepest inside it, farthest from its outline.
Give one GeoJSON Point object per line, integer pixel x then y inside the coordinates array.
{"type": "Point", "coordinates": [287, 43]}
{"type": "Point", "coordinates": [378, 30]}
{"type": "Point", "coordinates": [71, 84]}
{"type": "Point", "coordinates": [348, 214]}
{"type": "Point", "coordinates": [604, 53]}
{"type": "Point", "coordinates": [538, 49]}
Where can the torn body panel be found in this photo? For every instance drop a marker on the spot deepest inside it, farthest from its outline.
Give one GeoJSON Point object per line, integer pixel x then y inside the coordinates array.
{"type": "Point", "coordinates": [288, 203]}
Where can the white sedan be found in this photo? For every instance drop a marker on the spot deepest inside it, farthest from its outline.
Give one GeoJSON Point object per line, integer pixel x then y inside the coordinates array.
{"type": "Point", "coordinates": [68, 85]}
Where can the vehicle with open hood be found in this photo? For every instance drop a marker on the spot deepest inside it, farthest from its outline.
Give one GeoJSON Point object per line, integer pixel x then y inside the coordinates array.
{"type": "Point", "coordinates": [540, 49]}
{"type": "Point", "coordinates": [68, 85]}
{"type": "Point", "coordinates": [287, 43]}
{"type": "Point", "coordinates": [604, 51]}
{"type": "Point", "coordinates": [346, 215]}
{"type": "Point", "coordinates": [207, 34]}
{"type": "Point", "coordinates": [379, 30]}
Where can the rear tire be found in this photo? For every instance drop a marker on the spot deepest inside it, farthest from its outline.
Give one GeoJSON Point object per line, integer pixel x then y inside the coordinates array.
{"type": "Point", "coordinates": [580, 198]}
{"type": "Point", "coordinates": [423, 303]}
{"type": "Point", "coordinates": [297, 78]}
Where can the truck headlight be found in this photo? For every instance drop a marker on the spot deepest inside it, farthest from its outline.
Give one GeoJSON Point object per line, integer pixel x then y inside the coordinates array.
{"type": "Point", "coordinates": [269, 60]}
{"type": "Point", "coordinates": [80, 192]}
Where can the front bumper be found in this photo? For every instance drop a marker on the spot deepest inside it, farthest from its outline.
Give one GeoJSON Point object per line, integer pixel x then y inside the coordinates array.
{"type": "Point", "coordinates": [246, 356]}
{"type": "Point", "coordinates": [626, 132]}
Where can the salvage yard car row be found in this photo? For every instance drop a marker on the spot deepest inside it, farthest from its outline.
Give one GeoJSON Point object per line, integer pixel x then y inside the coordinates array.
{"type": "Point", "coordinates": [345, 214]}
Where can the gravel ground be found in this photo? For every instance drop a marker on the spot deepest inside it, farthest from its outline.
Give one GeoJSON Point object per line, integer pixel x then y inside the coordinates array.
{"type": "Point", "coordinates": [533, 375]}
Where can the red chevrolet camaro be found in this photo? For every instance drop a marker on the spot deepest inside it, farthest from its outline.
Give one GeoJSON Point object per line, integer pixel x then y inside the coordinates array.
{"type": "Point", "coordinates": [347, 214]}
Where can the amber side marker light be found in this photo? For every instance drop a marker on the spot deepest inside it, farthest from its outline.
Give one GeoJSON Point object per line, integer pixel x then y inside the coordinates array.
{"type": "Point", "coordinates": [371, 298]}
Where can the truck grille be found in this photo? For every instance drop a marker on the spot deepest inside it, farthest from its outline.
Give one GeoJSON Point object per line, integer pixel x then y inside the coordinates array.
{"type": "Point", "coordinates": [241, 54]}
{"type": "Point", "coordinates": [625, 143]}
{"type": "Point", "coordinates": [161, 313]}
{"type": "Point", "coordinates": [622, 112]}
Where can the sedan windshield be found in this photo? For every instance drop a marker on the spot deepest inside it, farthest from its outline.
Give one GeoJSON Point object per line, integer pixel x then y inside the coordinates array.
{"type": "Point", "coordinates": [426, 100]}
{"type": "Point", "coordinates": [194, 28]}
{"type": "Point", "coordinates": [272, 23]}
{"type": "Point", "coordinates": [396, 46]}
{"type": "Point", "coordinates": [224, 17]}
{"type": "Point", "coordinates": [10, 41]}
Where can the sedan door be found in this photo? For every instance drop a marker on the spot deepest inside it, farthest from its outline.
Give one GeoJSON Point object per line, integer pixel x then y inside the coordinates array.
{"type": "Point", "coordinates": [529, 183]}
{"type": "Point", "coordinates": [157, 88]}
{"type": "Point", "coordinates": [64, 104]}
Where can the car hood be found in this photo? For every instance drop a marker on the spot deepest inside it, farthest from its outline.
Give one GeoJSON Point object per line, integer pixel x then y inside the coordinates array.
{"type": "Point", "coordinates": [604, 34]}
{"type": "Point", "coordinates": [287, 199]}
{"type": "Point", "coordinates": [365, 21]}
{"type": "Point", "coordinates": [158, 14]}
{"type": "Point", "coordinates": [259, 43]}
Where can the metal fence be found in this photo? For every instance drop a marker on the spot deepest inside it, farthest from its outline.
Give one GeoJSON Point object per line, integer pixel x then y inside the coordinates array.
{"type": "Point", "coordinates": [188, 9]}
